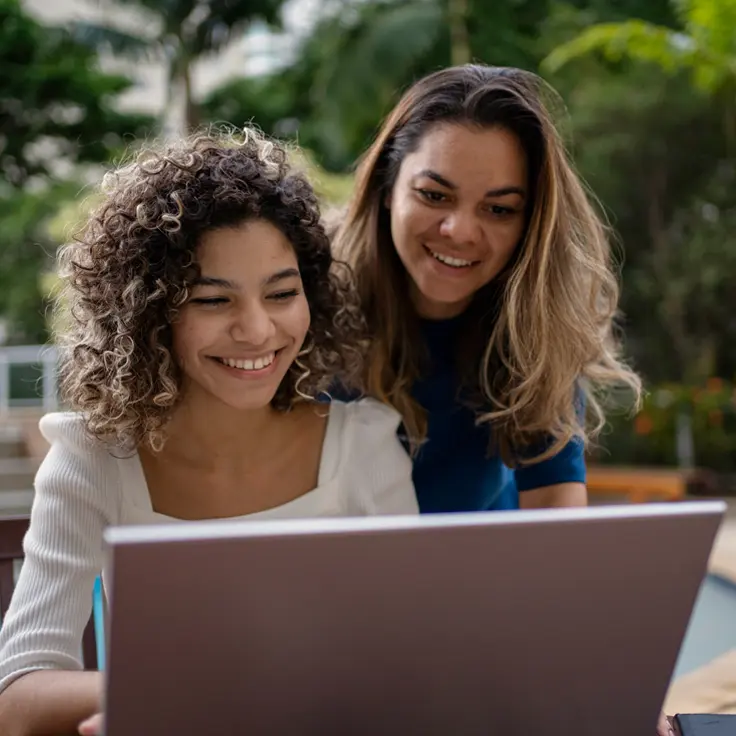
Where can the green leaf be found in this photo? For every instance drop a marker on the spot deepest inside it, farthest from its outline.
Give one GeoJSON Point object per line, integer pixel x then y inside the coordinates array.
{"type": "Point", "coordinates": [113, 40]}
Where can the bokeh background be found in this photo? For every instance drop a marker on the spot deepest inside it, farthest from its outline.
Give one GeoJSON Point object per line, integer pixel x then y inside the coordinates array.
{"type": "Point", "coordinates": [649, 112]}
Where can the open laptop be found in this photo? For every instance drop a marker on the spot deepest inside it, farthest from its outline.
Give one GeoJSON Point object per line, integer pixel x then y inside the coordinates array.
{"type": "Point", "coordinates": [560, 622]}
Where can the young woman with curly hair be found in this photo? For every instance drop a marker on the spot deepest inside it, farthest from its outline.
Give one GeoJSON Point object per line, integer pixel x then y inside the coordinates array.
{"type": "Point", "coordinates": [487, 281]}
{"type": "Point", "coordinates": [204, 316]}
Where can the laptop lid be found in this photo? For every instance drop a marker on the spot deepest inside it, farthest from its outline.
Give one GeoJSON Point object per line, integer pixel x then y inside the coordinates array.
{"type": "Point", "coordinates": [564, 621]}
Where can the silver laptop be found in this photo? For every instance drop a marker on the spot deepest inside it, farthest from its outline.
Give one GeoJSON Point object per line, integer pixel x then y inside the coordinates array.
{"type": "Point", "coordinates": [559, 622]}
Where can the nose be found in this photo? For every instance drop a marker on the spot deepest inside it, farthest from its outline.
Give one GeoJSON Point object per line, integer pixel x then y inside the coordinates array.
{"type": "Point", "coordinates": [462, 228]}
{"type": "Point", "coordinates": [253, 325]}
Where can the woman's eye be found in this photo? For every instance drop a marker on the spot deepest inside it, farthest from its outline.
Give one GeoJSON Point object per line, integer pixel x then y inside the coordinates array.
{"type": "Point", "coordinates": [497, 209]}
{"type": "Point", "coordinates": [281, 296]}
{"type": "Point", "coordinates": [209, 301]}
{"type": "Point", "coordinates": [432, 196]}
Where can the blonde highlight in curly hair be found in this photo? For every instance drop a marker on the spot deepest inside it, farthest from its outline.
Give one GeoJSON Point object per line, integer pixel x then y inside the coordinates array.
{"type": "Point", "coordinates": [542, 332]}
{"type": "Point", "coordinates": [130, 269]}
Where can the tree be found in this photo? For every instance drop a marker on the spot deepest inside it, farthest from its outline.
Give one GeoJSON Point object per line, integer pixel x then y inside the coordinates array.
{"type": "Point", "coordinates": [56, 112]}
{"type": "Point", "coordinates": [704, 44]}
{"type": "Point", "coordinates": [671, 201]}
{"type": "Point", "coordinates": [349, 71]}
{"type": "Point", "coordinates": [179, 32]}
{"type": "Point", "coordinates": [669, 204]}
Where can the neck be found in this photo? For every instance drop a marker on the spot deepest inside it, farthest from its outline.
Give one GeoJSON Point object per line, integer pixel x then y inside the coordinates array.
{"type": "Point", "coordinates": [206, 431]}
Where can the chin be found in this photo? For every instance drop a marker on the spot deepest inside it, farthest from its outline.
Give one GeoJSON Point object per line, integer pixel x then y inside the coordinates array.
{"type": "Point", "coordinates": [446, 297]}
{"type": "Point", "coordinates": [251, 400]}
{"type": "Point", "coordinates": [249, 404]}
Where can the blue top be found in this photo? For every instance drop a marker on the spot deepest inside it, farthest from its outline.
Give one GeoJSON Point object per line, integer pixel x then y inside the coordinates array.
{"type": "Point", "coordinates": [453, 470]}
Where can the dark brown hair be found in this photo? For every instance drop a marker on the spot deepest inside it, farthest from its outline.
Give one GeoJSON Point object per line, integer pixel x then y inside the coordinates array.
{"type": "Point", "coordinates": [132, 265]}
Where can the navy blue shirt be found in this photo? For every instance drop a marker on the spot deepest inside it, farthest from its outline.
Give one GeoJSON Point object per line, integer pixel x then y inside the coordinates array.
{"type": "Point", "coordinates": [453, 470]}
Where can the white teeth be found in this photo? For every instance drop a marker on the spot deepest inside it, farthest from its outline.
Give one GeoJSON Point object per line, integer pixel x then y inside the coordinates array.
{"type": "Point", "coordinates": [250, 365]}
{"type": "Point", "coordinates": [450, 261]}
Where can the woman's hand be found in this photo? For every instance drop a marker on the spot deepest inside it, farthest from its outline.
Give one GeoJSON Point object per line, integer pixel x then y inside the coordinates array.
{"type": "Point", "coordinates": [93, 726]}
{"type": "Point", "coordinates": [664, 726]}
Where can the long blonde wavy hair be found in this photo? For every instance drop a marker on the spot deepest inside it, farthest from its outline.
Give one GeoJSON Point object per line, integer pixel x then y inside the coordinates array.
{"type": "Point", "coordinates": [540, 337]}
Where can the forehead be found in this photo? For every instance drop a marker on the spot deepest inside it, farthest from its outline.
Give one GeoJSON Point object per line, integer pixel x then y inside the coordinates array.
{"type": "Point", "coordinates": [469, 156]}
{"type": "Point", "coordinates": [254, 246]}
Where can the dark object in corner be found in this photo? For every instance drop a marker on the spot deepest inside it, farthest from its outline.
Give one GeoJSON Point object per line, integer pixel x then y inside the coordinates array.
{"type": "Point", "coordinates": [704, 725]}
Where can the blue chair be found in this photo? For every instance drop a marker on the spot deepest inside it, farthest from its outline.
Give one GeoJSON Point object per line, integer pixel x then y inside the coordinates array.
{"type": "Point", "coordinates": [98, 617]}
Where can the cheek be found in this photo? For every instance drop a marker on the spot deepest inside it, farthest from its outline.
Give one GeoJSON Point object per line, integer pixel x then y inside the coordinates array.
{"type": "Point", "coordinates": [297, 320]}
{"type": "Point", "coordinates": [507, 237]}
{"type": "Point", "coordinates": [409, 220]}
{"type": "Point", "coordinates": [187, 337]}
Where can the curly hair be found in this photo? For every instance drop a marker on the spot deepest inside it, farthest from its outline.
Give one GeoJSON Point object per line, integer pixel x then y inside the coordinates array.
{"type": "Point", "coordinates": [130, 268]}
{"type": "Point", "coordinates": [542, 333]}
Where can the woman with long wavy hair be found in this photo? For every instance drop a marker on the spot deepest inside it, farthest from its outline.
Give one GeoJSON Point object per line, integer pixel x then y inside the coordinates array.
{"type": "Point", "coordinates": [487, 280]}
{"type": "Point", "coordinates": [204, 316]}
{"type": "Point", "coordinates": [488, 284]}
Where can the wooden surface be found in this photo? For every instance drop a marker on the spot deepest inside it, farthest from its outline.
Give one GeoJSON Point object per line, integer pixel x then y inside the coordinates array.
{"type": "Point", "coordinates": [712, 688]}
{"type": "Point", "coordinates": [637, 484]}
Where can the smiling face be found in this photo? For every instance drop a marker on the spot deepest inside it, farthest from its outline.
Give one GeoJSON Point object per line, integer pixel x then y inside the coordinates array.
{"type": "Point", "coordinates": [457, 213]}
{"type": "Point", "coordinates": [246, 319]}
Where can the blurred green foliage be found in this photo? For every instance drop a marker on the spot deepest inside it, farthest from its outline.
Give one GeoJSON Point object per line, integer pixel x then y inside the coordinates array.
{"type": "Point", "coordinates": [648, 88]}
{"type": "Point", "coordinates": [57, 113]}
{"type": "Point", "coordinates": [650, 438]}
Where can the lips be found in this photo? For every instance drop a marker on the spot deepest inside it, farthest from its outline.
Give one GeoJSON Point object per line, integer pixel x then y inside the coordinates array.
{"type": "Point", "coordinates": [249, 364]}
{"type": "Point", "coordinates": [451, 261]}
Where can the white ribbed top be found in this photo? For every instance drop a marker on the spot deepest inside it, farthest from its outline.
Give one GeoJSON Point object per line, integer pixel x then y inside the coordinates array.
{"type": "Point", "coordinates": [81, 488]}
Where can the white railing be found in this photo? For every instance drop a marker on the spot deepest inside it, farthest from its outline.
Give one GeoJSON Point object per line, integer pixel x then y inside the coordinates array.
{"type": "Point", "coordinates": [44, 358]}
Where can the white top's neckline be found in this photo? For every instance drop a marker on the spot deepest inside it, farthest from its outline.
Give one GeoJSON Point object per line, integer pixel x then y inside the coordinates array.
{"type": "Point", "coordinates": [135, 487]}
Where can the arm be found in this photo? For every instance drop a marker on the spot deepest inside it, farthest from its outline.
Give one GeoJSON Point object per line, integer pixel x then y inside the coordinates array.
{"type": "Point", "coordinates": [555, 496]}
{"type": "Point", "coordinates": [558, 481]}
{"type": "Point", "coordinates": [555, 482]}
{"type": "Point", "coordinates": [42, 688]}
{"type": "Point", "coordinates": [49, 703]}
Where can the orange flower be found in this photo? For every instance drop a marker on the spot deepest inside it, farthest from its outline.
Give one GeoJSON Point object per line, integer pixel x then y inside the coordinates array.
{"type": "Point", "coordinates": [643, 424]}
{"type": "Point", "coordinates": [714, 384]}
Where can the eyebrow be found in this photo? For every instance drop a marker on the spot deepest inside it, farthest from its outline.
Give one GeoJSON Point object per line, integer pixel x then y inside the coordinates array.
{"type": "Point", "coordinates": [502, 192]}
{"type": "Point", "coordinates": [286, 273]}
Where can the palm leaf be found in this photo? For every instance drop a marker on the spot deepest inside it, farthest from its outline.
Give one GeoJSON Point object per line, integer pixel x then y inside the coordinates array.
{"type": "Point", "coordinates": [112, 39]}
{"type": "Point", "coordinates": [633, 39]}
{"type": "Point", "coordinates": [383, 48]}
{"type": "Point", "coordinates": [363, 64]}
{"type": "Point", "coordinates": [224, 20]}
{"type": "Point", "coordinates": [706, 48]}
{"type": "Point", "coordinates": [712, 23]}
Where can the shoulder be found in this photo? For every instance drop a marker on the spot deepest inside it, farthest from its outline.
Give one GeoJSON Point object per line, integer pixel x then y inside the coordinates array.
{"type": "Point", "coordinates": [372, 465]}
{"type": "Point", "coordinates": [76, 464]}
{"type": "Point", "coordinates": [67, 429]}
{"type": "Point", "coordinates": [70, 441]}
{"type": "Point", "coordinates": [366, 418]}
